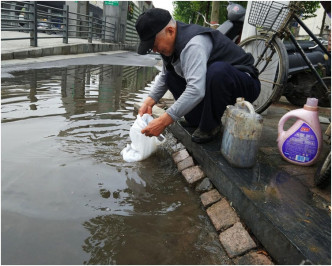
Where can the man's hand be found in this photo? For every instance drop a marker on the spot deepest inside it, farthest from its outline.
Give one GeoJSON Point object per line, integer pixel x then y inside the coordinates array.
{"type": "Point", "coordinates": [146, 107]}
{"type": "Point", "coordinates": [157, 126]}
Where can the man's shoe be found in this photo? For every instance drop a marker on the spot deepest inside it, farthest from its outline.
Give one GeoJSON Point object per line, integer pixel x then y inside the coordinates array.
{"type": "Point", "coordinates": [203, 137]}
{"type": "Point", "coordinates": [185, 123]}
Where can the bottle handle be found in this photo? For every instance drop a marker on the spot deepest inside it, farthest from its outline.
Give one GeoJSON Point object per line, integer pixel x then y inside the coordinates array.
{"type": "Point", "coordinates": [283, 120]}
{"type": "Point", "coordinates": [248, 105]}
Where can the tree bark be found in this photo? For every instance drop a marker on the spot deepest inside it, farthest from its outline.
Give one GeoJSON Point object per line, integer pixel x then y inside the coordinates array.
{"type": "Point", "coordinates": [323, 24]}
{"type": "Point", "coordinates": [215, 13]}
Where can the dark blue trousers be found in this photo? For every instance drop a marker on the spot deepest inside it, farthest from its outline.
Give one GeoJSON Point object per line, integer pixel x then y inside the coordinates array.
{"type": "Point", "coordinates": [224, 83]}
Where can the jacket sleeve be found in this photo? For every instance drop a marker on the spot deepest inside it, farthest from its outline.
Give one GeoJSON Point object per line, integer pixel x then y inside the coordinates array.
{"type": "Point", "coordinates": [159, 87]}
{"type": "Point", "coordinates": [194, 58]}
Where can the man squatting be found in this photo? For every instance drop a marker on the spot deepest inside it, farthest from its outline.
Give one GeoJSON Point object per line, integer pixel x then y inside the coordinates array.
{"type": "Point", "coordinates": [203, 69]}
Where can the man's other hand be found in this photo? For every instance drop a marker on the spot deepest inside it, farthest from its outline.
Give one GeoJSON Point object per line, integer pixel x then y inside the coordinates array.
{"type": "Point", "coordinates": [157, 126]}
{"type": "Point", "coordinates": [146, 107]}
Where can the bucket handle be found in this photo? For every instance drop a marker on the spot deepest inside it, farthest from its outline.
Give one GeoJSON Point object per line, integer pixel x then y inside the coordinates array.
{"type": "Point", "coordinates": [248, 105]}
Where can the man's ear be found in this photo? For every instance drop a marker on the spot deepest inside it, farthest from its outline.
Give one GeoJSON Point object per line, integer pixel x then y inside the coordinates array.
{"type": "Point", "coordinates": [170, 30]}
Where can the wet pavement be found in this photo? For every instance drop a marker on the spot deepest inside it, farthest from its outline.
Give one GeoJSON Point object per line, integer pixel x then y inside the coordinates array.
{"type": "Point", "coordinates": [276, 200]}
{"type": "Point", "coordinates": [67, 195]}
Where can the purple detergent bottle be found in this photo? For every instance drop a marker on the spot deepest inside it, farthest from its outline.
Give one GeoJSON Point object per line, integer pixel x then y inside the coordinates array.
{"type": "Point", "coordinates": [301, 143]}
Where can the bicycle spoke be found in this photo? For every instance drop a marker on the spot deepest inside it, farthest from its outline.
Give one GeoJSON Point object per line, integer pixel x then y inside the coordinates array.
{"type": "Point", "coordinates": [268, 81]}
{"type": "Point", "coordinates": [268, 63]}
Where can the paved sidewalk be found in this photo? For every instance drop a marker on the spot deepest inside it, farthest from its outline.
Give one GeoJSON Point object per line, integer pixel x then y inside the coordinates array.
{"type": "Point", "coordinates": [277, 201]}
{"type": "Point", "coordinates": [20, 49]}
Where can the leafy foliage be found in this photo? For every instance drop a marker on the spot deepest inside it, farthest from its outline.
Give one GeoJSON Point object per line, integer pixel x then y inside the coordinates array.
{"type": "Point", "coordinates": [186, 11]}
{"type": "Point", "coordinates": [309, 8]}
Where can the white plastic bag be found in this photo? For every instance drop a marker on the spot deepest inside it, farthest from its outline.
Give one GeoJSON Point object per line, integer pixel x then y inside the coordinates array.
{"type": "Point", "coordinates": [141, 146]}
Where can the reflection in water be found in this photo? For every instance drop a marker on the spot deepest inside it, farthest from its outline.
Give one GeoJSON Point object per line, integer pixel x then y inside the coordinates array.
{"type": "Point", "coordinates": [62, 133]}
{"type": "Point", "coordinates": [83, 88]}
{"type": "Point", "coordinates": [106, 234]}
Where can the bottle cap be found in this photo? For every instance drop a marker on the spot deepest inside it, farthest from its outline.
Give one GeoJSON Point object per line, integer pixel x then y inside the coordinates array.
{"type": "Point", "coordinates": [312, 102]}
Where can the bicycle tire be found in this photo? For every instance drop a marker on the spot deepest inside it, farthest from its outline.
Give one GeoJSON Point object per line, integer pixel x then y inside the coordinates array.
{"type": "Point", "coordinates": [317, 91]}
{"type": "Point", "coordinates": [323, 174]}
{"type": "Point", "coordinates": [273, 74]}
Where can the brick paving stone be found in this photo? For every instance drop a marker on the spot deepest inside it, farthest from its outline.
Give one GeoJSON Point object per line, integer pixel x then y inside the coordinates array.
{"type": "Point", "coordinates": [222, 215]}
{"type": "Point", "coordinates": [210, 197]}
{"type": "Point", "coordinates": [253, 258]}
{"type": "Point", "coordinates": [178, 147]}
{"type": "Point", "coordinates": [204, 186]}
{"type": "Point", "coordinates": [236, 240]}
{"type": "Point", "coordinates": [186, 163]}
{"type": "Point", "coordinates": [180, 156]}
{"type": "Point", "coordinates": [193, 174]}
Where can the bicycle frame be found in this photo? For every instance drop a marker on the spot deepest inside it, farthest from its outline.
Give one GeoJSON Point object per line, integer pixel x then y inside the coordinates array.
{"type": "Point", "coordinates": [299, 48]}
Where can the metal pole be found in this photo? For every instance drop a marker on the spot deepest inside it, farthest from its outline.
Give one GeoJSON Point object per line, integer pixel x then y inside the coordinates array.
{"type": "Point", "coordinates": [33, 24]}
{"type": "Point", "coordinates": [115, 32]}
{"type": "Point", "coordinates": [103, 29]}
{"type": "Point", "coordinates": [90, 27]}
{"type": "Point", "coordinates": [65, 26]}
{"type": "Point", "coordinates": [49, 16]}
{"type": "Point", "coordinates": [12, 13]}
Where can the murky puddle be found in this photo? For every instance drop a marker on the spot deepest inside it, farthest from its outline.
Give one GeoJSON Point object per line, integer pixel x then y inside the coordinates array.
{"type": "Point", "coordinates": [67, 195]}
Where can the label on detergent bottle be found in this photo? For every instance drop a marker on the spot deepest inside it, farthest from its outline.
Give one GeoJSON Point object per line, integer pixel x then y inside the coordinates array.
{"type": "Point", "coordinates": [301, 146]}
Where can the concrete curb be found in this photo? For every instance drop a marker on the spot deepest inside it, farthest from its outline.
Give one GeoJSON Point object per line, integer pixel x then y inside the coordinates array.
{"type": "Point", "coordinates": [235, 239]}
{"type": "Point", "coordinates": [67, 49]}
{"type": "Point", "coordinates": [279, 233]}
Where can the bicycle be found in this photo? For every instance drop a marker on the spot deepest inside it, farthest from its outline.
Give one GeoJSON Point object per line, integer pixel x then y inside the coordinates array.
{"type": "Point", "coordinates": [271, 59]}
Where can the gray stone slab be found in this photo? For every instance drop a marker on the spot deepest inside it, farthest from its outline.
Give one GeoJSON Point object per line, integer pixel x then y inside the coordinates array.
{"type": "Point", "coordinates": [73, 49]}
{"type": "Point", "coordinates": [178, 147]}
{"type": "Point", "coordinates": [180, 156]}
{"type": "Point", "coordinates": [20, 54]}
{"type": "Point", "coordinates": [80, 48]}
{"type": "Point", "coordinates": [48, 51]}
{"type": "Point", "coordinates": [236, 240]}
{"type": "Point", "coordinates": [66, 50]}
{"type": "Point", "coordinates": [253, 258]}
{"type": "Point", "coordinates": [186, 163]}
{"type": "Point", "coordinates": [58, 50]}
{"type": "Point", "coordinates": [193, 174]}
{"type": "Point", "coordinates": [7, 56]}
{"type": "Point", "coordinates": [222, 215]}
{"type": "Point", "coordinates": [204, 186]}
{"type": "Point", "coordinates": [210, 197]}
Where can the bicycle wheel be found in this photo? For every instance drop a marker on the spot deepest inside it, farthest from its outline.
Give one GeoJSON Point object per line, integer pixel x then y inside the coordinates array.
{"type": "Point", "coordinates": [272, 67]}
{"type": "Point", "coordinates": [314, 89]}
{"type": "Point", "coordinates": [323, 174]}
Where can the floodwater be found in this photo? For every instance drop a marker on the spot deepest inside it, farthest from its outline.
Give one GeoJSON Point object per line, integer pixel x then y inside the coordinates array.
{"type": "Point", "coordinates": [67, 195]}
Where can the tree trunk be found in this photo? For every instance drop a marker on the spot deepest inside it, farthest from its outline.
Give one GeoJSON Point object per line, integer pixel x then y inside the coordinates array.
{"type": "Point", "coordinates": [208, 10]}
{"type": "Point", "coordinates": [323, 24]}
{"type": "Point", "coordinates": [215, 13]}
